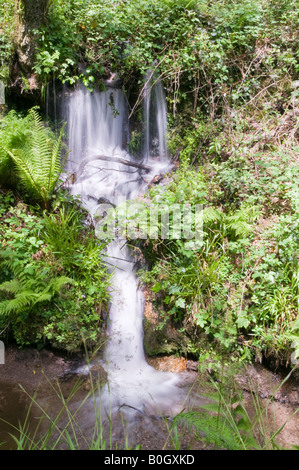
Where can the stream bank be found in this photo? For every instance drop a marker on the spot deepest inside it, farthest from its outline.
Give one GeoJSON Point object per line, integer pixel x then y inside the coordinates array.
{"type": "Point", "coordinates": [49, 374]}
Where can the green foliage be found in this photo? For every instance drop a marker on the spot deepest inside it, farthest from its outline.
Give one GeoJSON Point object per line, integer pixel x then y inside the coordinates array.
{"type": "Point", "coordinates": [229, 421]}
{"type": "Point", "coordinates": [190, 277]}
{"type": "Point", "coordinates": [212, 57]}
{"type": "Point", "coordinates": [215, 430]}
{"type": "Point", "coordinates": [239, 289]}
{"type": "Point", "coordinates": [267, 179]}
{"type": "Point", "coordinates": [6, 37]}
{"type": "Point", "coordinates": [26, 292]}
{"type": "Point", "coordinates": [230, 72]}
{"type": "Point", "coordinates": [294, 337]}
{"type": "Point", "coordinates": [50, 295]}
{"type": "Point", "coordinates": [217, 55]}
{"type": "Point", "coordinates": [15, 133]}
{"type": "Point", "coordinates": [39, 166]}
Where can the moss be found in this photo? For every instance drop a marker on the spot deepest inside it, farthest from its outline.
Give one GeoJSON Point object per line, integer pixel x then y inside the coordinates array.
{"type": "Point", "coordinates": [163, 340]}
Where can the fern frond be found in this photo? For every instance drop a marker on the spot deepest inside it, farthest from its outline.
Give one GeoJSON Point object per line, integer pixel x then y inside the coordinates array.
{"type": "Point", "coordinates": [39, 165]}
{"type": "Point", "coordinates": [26, 173]}
{"type": "Point", "coordinates": [42, 297]}
{"type": "Point", "coordinates": [210, 429]}
{"type": "Point", "coordinates": [57, 283]}
{"type": "Point", "coordinates": [30, 293]}
{"type": "Point", "coordinates": [239, 227]}
{"type": "Point", "coordinates": [240, 221]}
{"type": "Point", "coordinates": [208, 215]}
{"type": "Point", "coordinates": [55, 164]}
{"type": "Point", "coordinates": [21, 301]}
{"type": "Point", "coordinates": [41, 149]}
{"type": "Point", "coordinates": [12, 287]}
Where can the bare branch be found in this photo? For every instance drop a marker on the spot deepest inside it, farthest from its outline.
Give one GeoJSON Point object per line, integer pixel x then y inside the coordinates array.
{"type": "Point", "coordinates": [122, 161]}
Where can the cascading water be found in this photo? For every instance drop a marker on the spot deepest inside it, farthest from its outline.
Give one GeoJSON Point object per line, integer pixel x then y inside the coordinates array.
{"type": "Point", "coordinates": [155, 119]}
{"type": "Point", "coordinates": [98, 125]}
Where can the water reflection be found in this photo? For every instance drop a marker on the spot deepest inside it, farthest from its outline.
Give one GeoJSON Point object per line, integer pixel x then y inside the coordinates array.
{"type": "Point", "coordinates": [14, 412]}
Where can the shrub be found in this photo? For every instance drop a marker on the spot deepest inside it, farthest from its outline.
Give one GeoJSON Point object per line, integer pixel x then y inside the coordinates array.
{"type": "Point", "coordinates": [49, 295]}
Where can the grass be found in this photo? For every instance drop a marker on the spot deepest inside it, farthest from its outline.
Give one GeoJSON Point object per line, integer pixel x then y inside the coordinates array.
{"type": "Point", "coordinates": [227, 420]}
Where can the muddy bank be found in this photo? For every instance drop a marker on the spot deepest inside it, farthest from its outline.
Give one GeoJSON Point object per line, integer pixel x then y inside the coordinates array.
{"type": "Point", "coordinates": [49, 376]}
{"type": "Point", "coordinates": [30, 367]}
{"type": "Point", "coordinates": [278, 397]}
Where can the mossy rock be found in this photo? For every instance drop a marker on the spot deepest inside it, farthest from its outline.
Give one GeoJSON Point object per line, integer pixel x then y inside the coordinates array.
{"type": "Point", "coordinates": [159, 338]}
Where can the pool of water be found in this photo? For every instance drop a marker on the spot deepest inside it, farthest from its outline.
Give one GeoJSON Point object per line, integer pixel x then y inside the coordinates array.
{"type": "Point", "coordinates": [15, 411]}
{"type": "Point", "coordinates": [77, 400]}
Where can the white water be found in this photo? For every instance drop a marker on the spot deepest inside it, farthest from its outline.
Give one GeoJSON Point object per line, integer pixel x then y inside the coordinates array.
{"type": "Point", "coordinates": [94, 128]}
{"type": "Point", "coordinates": [155, 119]}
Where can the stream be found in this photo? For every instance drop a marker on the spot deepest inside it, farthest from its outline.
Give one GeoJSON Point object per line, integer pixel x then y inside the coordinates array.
{"type": "Point", "coordinates": [98, 126]}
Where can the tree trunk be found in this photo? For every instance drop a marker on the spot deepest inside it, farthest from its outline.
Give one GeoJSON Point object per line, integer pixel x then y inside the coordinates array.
{"type": "Point", "coordinates": [28, 18]}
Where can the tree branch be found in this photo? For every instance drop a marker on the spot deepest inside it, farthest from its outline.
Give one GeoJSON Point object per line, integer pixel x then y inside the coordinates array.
{"type": "Point", "coordinates": [122, 161]}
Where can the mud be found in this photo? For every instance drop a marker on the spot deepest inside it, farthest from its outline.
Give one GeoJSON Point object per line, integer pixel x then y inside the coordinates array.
{"type": "Point", "coordinates": [278, 396]}
{"type": "Point", "coordinates": [34, 384]}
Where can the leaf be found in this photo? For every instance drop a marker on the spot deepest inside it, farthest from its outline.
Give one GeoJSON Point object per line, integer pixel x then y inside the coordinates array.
{"type": "Point", "coordinates": [181, 303]}
{"type": "Point", "coordinates": [174, 289]}
{"type": "Point", "coordinates": [12, 286]}
{"type": "Point", "coordinates": [242, 321]}
{"type": "Point", "coordinates": [157, 287]}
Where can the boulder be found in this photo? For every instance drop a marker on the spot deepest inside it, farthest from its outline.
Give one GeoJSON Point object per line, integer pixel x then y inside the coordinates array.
{"type": "Point", "coordinates": [160, 337]}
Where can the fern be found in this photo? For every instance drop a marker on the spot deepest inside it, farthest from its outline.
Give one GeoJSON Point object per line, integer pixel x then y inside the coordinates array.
{"type": "Point", "coordinates": [239, 222]}
{"type": "Point", "coordinates": [210, 429]}
{"type": "Point", "coordinates": [15, 134]}
{"type": "Point", "coordinates": [210, 214]}
{"type": "Point", "coordinates": [22, 300]}
{"type": "Point", "coordinates": [27, 298]}
{"type": "Point", "coordinates": [40, 165]}
{"type": "Point", "coordinates": [222, 423]}
{"type": "Point", "coordinates": [11, 287]}
{"type": "Point", "coordinates": [27, 292]}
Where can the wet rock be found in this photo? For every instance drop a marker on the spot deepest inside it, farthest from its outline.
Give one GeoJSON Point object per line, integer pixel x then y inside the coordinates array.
{"type": "Point", "coordinates": [169, 363]}
{"type": "Point", "coordinates": [159, 338]}
{"type": "Point", "coordinates": [192, 365]}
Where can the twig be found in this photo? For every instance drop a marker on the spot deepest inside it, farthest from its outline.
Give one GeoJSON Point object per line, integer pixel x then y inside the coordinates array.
{"type": "Point", "coordinates": [109, 159]}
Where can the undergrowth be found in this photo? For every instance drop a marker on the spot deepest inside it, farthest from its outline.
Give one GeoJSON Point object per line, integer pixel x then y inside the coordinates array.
{"type": "Point", "coordinates": [53, 286]}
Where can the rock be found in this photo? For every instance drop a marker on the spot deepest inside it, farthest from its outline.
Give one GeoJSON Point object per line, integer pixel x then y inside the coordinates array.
{"type": "Point", "coordinates": [159, 338]}
{"type": "Point", "coordinates": [192, 365]}
{"type": "Point", "coordinates": [169, 363]}
{"type": "Point", "coordinates": [104, 200]}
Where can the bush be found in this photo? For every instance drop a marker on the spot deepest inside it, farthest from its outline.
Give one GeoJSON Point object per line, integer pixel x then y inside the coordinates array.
{"type": "Point", "coordinates": [49, 295]}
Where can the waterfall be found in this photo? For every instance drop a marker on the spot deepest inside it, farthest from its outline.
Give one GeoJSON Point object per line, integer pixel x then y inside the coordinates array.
{"type": "Point", "coordinates": [98, 124]}
{"type": "Point", "coordinates": [155, 119]}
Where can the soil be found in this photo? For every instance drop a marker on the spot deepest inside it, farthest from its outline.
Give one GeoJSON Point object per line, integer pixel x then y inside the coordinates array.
{"type": "Point", "coordinates": [279, 398]}
{"type": "Point", "coordinates": [31, 381]}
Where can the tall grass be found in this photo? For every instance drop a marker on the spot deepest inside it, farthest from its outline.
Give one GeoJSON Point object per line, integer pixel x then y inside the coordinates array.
{"type": "Point", "coordinates": [64, 430]}
{"type": "Point", "coordinates": [232, 421]}
{"type": "Point", "coordinates": [225, 422]}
